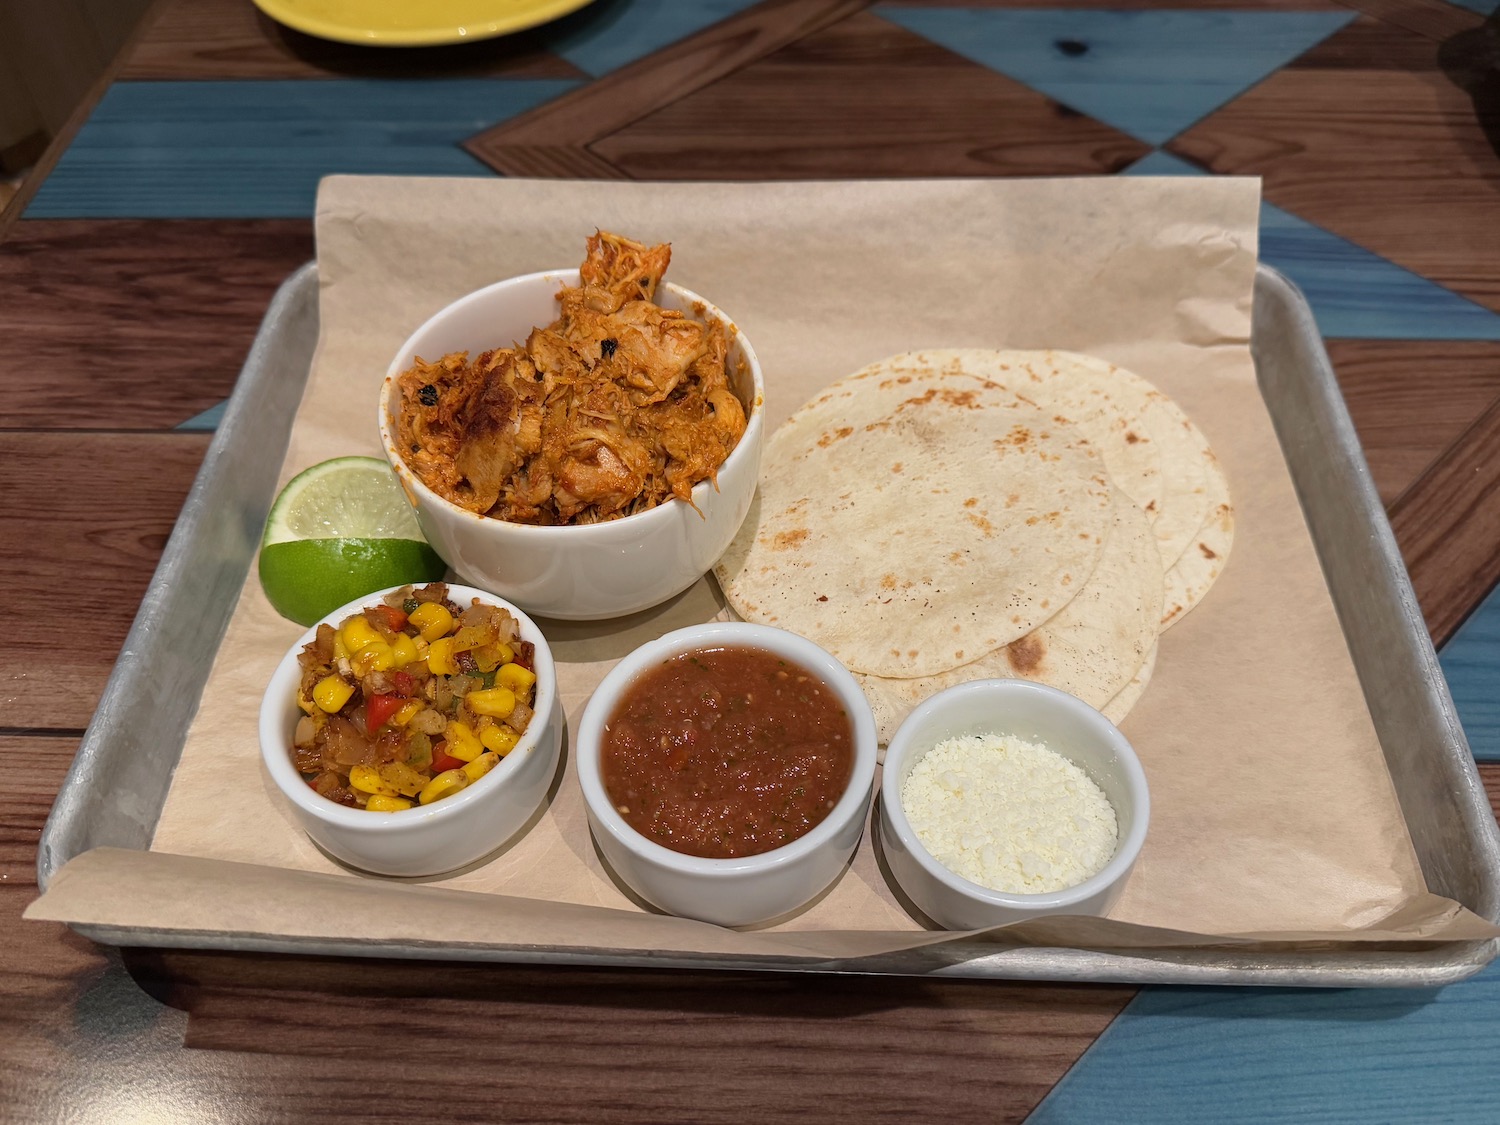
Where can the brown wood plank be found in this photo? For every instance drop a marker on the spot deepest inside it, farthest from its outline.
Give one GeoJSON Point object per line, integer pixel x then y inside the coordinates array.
{"type": "Point", "coordinates": [859, 1049]}
{"type": "Point", "coordinates": [1448, 526]}
{"type": "Point", "coordinates": [1410, 399]}
{"type": "Point", "coordinates": [134, 325]}
{"type": "Point", "coordinates": [94, 510]}
{"type": "Point", "coordinates": [931, 113]}
{"type": "Point", "coordinates": [1489, 773]}
{"type": "Point", "coordinates": [524, 145]}
{"type": "Point", "coordinates": [230, 39]}
{"type": "Point", "coordinates": [1433, 19]}
{"type": "Point", "coordinates": [1126, 5]}
{"type": "Point", "coordinates": [1393, 156]}
{"type": "Point", "coordinates": [47, 971]}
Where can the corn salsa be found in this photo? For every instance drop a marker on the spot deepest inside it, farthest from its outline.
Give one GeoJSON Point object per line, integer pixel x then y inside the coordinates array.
{"type": "Point", "coordinates": [411, 700]}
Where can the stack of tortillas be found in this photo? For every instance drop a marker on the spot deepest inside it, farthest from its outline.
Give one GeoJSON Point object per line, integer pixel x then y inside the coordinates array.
{"type": "Point", "coordinates": [945, 516]}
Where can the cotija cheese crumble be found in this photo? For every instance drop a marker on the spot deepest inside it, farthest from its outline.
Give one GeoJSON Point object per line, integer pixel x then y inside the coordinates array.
{"type": "Point", "coordinates": [1009, 815]}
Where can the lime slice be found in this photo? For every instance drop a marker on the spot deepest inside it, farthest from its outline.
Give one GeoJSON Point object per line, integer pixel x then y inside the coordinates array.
{"type": "Point", "coordinates": [338, 531]}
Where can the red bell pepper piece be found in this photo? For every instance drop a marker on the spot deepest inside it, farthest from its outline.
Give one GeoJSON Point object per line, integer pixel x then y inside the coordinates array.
{"type": "Point", "coordinates": [392, 616]}
{"type": "Point", "coordinates": [442, 760]}
{"type": "Point", "coordinates": [379, 709]}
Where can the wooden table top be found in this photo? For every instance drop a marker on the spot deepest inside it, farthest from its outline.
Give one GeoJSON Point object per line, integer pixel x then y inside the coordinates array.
{"type": "Point", "coordinates": [135, 279]}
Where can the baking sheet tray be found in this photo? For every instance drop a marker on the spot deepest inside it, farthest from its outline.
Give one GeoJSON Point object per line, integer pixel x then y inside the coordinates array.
{"type": "Point", "coordinates": [116, 788]}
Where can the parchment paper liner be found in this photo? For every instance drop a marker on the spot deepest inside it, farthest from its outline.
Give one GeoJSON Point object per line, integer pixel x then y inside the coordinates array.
{"type": "Point", "coordinates": [1273, 820]}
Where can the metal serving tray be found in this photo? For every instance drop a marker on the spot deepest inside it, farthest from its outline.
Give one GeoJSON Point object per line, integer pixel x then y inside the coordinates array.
{"type": "Point", "coordinates": [118, 783]}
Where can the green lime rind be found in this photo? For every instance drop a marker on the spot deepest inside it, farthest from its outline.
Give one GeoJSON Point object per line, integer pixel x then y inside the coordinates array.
{"type": "Point", "coordinates": [345, 498]}
{"type": "Point", "coordinates": [307, 579]}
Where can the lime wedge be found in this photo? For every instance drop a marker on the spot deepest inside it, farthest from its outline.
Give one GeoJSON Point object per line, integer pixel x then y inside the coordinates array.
{"type": "Point", "coordinates": [338, 531]}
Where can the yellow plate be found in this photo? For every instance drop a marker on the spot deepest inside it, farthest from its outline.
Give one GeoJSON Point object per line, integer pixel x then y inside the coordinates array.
{"type": "Point", "coordinates": [414, 23]}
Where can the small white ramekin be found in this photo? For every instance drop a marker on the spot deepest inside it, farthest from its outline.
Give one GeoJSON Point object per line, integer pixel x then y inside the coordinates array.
{"type": "Point", "coordinates": [750, 889]}
{"type": "Point", "coordinates": [1036, 713]}
{"type": "Point", "coordinates": [424, 839]}
{"type": "Point", "coordinates": [587, 571]}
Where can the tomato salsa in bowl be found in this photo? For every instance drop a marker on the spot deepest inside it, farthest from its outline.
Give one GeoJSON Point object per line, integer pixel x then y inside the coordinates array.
{"type": "Point", "coordinates": [727, 770]}
{"type": "Point", "coordinates": [415, 730]}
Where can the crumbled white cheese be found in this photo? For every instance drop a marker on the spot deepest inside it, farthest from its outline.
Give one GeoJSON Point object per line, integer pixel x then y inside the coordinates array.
{"type": "Point", "coordinates": [1009, 815]}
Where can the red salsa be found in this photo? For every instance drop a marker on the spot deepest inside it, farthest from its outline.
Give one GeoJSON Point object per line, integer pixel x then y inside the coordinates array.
{"type": "Point", "coordinates": [727, 752]}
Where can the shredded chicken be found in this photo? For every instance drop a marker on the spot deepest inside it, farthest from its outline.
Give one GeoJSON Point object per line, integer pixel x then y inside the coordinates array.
{"type": "Point", "coordinates": [615, 407]}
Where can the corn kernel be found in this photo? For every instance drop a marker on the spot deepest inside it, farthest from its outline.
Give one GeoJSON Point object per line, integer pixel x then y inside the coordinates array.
{"type": "Point", "coordinates": [377, 656]}
{"type": "Point", "coordinates": [306, 704]}
{"type": "Point", "coordinates": [402, 778]}
{"type": "Point", "coordinates": [518, 679]}
{"type": "Point", "coordinates": [357, 633]}
{"type": "Point", "coordinates": [382, 803]}
{"type": "Point", "coordinates": [367, 779]}
{"type": "Point", "coordinates": [332, 692]}
{"type": "Point", "coordinates": [404, 651]}
{"type": "Point", "coordinates": [481, 766]}
{"type": "Point", "coordinates": [444, 784]}
{"type": "Point", "coordinates": [502, 740]}
{"type": "Point", "coordinates": [463, 743]}
{"type": "Point", "coordinates": [497, 702]}
{"type": "Point", "coordinates": [407, 713]}
{"type": "Point", "coordinates": [441, 657]}
{"type": "Point", "coordinates": [432, 620]}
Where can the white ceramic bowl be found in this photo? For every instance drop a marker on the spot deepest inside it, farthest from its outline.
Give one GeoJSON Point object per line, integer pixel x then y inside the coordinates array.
{"type": "Point", "coordinates": [750, 889]}
{"type": "Point", "coordinates": [425, 839]}
{"type": "Point", "coordinates": [1038, 714]}
{"type": "Point", "coordinates": [590, 571]}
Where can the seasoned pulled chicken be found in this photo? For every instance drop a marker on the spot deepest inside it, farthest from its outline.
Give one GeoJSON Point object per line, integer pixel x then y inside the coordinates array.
{"type": "Point", "coordinates": [614, 408]}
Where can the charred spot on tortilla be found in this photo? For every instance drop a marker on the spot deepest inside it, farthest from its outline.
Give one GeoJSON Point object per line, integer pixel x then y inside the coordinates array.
{"type": "Point", "coordinates": [1208, 552]}
{"type": "Point", "coordinates": [836, 435]}
{"type": "Point", "coordinates": [1026, 655]}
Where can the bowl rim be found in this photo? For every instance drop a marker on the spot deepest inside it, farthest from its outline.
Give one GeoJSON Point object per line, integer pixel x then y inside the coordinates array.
{"type": "Point", "coordinates": [902, 747]}
{"type": "Point", "coordinates": [275, 748]}
{"type": "Point", "coordinates": [852, 803]}
{"type": "Point", "coordinates": [667, 510]}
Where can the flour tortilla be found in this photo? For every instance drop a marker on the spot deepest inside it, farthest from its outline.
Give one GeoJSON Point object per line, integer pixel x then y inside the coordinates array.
{"type": "Point", "coordinates": [1109, 409]}
{"type": "Point", "coordinates": [1154, 452]}
{"type": "Point", "coordinates": [910, 523]}
{"type": "Point", "coordinates": [1091, 649]}
{"type": "Point", "coordinates": [1129, 695]}
{"type": "Point", "coordinates": [1189, 578]}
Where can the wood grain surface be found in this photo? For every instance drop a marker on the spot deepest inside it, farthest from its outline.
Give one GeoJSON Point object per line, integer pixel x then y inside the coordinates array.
{"type": "Point", "coordinates": [134, 325]}
{"type": "Point", "coordinates": [552, 140]}
{"type": "Point", "coordinates": [1448, 526]}
{"type": "Point", "coordinates": [92, 511]}
{"type": "Point", "coordinates": [1410, 399]}
{"type": "Point", "coordinates": [227, 39]}
{"type": "Point", "coordinates": [116, 331]}
{"type": "Point", "coordinates": [1391, 154]}
{"type": "Point", "coordinates": [934, 114]}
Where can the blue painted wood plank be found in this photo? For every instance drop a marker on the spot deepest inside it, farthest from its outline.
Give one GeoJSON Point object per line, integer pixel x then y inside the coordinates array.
{"type": "Point", "coordinates": [1471, 663]}
{"type": "Point", "coordinates": [258, 149]}
{"type": "Point", "coordinates": [1148, 73]}
{"type": "Point", "coordinates": [206, 421]}
{"type": "Point", "coordinates": [604, 37]}
{"type": "Point", "coordinates": [1355, 293]}
{"type": "Point", "coordinates": [1256, 1057]}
